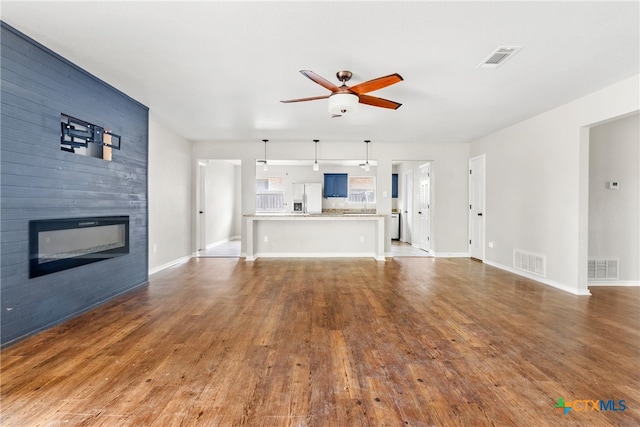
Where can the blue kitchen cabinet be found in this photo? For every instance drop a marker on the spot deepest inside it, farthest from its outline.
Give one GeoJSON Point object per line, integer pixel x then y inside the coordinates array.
{"type": "Point", "coordinates": [394, 186]}
{"type": "Point", "coordinates": [335, 185]}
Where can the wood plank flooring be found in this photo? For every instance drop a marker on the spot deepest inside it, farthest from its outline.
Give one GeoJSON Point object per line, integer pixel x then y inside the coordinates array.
{"type": "Point", "coordinates": [231, 248]}
{"type": "Point", "coordinates": [332, 342]}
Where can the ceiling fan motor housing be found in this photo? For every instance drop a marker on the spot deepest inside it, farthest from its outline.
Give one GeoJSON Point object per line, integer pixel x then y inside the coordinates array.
{"type": "Point", "coordinates": [344, 76]}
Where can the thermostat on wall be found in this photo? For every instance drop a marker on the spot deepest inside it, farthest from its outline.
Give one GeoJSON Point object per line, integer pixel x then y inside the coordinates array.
{"type": "Point", "coordinates": [613, 185]}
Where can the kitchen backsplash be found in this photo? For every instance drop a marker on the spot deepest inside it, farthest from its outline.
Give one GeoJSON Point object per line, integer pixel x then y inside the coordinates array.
{"type": "Point", "coordinates": [345, 210]}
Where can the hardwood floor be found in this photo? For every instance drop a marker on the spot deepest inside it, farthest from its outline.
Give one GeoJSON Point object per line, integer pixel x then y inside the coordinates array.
{"type": "Point", "coordinates": [231, 248]}
{"type": "Point", "coordinates": [328, 342]}
{"type": "Point", "coordinates": [402, 249]}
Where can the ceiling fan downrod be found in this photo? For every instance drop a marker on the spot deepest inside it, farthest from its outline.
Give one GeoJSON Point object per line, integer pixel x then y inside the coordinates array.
{"type": "Point", "coordinates": [344, 76]}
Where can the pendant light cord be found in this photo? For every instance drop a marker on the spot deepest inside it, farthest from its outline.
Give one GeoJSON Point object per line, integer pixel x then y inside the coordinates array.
{"type": "Point", "coordinates": [265, 150]}
{"type": "Point", "coordinates": [367, 141]}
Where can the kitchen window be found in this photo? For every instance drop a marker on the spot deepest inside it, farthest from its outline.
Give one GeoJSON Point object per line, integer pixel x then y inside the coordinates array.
{"type": "Point", "coordinates": [362, 189]}
{"type": "Point", "coordinates": [270, 195]}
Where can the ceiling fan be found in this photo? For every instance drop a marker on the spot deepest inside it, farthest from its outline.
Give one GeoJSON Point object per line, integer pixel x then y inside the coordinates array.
{"type": "Point", "coordinates": [344, 99]}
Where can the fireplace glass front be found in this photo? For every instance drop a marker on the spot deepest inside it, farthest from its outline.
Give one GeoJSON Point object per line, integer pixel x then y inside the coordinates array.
{"type": "Point", "coordinates": [59, 244]}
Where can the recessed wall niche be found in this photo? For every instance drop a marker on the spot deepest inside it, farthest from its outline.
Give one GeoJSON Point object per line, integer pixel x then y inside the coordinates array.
{"type": "Point", "coordinates": [86, 139]}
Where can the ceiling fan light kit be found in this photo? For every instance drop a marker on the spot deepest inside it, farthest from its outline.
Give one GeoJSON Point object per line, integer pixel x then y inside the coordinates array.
{"type": "Point", "coordinates": [343, 103]}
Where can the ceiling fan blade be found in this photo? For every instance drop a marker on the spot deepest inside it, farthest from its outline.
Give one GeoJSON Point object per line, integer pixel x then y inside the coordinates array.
{"type": "Point", "coordinates": [375, 84]}
{"type": "Point", "coordinates": [378, 102]}
{"type": "Point", "coordinates": [320, 80]}
{"type": "Point", "coordinates": [311, 98]}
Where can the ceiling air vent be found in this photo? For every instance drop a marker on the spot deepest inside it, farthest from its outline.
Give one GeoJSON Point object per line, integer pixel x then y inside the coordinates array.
{"type": "Point", "coordinates": [499, 56]}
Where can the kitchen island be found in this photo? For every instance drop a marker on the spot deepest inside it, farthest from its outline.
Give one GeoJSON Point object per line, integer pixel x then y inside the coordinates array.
{"type": "Point", "coordinates": [321, 235]}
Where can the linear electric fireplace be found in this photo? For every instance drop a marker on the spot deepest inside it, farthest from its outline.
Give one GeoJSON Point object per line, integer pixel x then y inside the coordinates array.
{"type": "Point", "coordinates": [59, 244]}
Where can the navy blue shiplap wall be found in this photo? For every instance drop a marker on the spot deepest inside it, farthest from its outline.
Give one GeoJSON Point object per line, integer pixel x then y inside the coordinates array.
{"type": "Point", "coordinates": [39, 181]}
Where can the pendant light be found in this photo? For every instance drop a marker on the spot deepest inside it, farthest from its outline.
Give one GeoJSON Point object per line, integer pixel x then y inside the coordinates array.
{"type": "Point", "coordinates": [265, 167]}
{"type": "Point", "coordinates": [316, 166]}
{"type": "Point", "coordinates": [366, 164]}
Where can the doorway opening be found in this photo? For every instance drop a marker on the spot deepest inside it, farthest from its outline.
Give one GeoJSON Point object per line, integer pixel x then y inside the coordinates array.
{"type": "Point", "coordinates": [613, 217]}
{"type": "Point", "coordinates": [413, 206]}
{"type": "Point", "coordinates": [218, 208]}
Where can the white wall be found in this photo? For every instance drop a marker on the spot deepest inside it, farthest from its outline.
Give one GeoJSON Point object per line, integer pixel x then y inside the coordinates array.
{"type": "Point", "coordinates": [537, 183]}
{"type": "Point", "coordinates": [221, 208]}
{"type": "Point", "coordinates": [614, 215]}
{"type": "Point", "coordinates": [170, 203]}
{"type": "Point", "coordinates": [449, 177]}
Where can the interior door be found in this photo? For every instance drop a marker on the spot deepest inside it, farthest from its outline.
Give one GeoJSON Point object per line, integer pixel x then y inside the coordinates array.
{"type": "Point", "coordinates": [201, 229]}
{"type": "Point", "coordinates": [476, 207]}
{"type": "Point", "coordinates": [424, 208]}
{"type": "Point", "coordinates": [407, 207]}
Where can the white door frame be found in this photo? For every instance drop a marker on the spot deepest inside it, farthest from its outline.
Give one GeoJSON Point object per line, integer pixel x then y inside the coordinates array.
{"type": "Point", "coordinates": [201, 202]}
{"type": "Point", "coordinates": [477, 217]}
{"type": "Point", "coordinates": [424, 208]}
{"type": "Point", "coordinates": [407, 207]}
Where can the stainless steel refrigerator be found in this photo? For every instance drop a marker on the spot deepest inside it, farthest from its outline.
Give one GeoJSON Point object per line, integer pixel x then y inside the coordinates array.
{"type": "Point", "coordinates": [307, 197]}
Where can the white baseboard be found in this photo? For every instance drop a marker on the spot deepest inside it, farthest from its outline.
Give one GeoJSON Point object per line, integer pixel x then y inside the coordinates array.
{"type": "Point", "coordinates": [539, 279]}
{"type": "Point", "coordinates": [169, 264]}
{"type": "Point", "coordinates": [450, 254]}
{"type": "Point", "coordinates": [616, 283]}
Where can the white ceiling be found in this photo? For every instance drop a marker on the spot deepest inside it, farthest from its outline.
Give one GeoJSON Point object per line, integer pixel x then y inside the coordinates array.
{"type": "Point", "coordinates": [216, 71]}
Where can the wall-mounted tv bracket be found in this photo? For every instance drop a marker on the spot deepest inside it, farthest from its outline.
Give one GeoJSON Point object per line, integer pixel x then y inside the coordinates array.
{"type": "Point", "coordinates": [78, 133]}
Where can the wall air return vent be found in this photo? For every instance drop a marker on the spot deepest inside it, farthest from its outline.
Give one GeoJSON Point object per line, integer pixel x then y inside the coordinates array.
{"type": "Point", "coordinates": [529, 262]}
{"type": "Point", "coordinates": [602, 268]}
{"type": "Point", "coordinates": [499, 56]}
